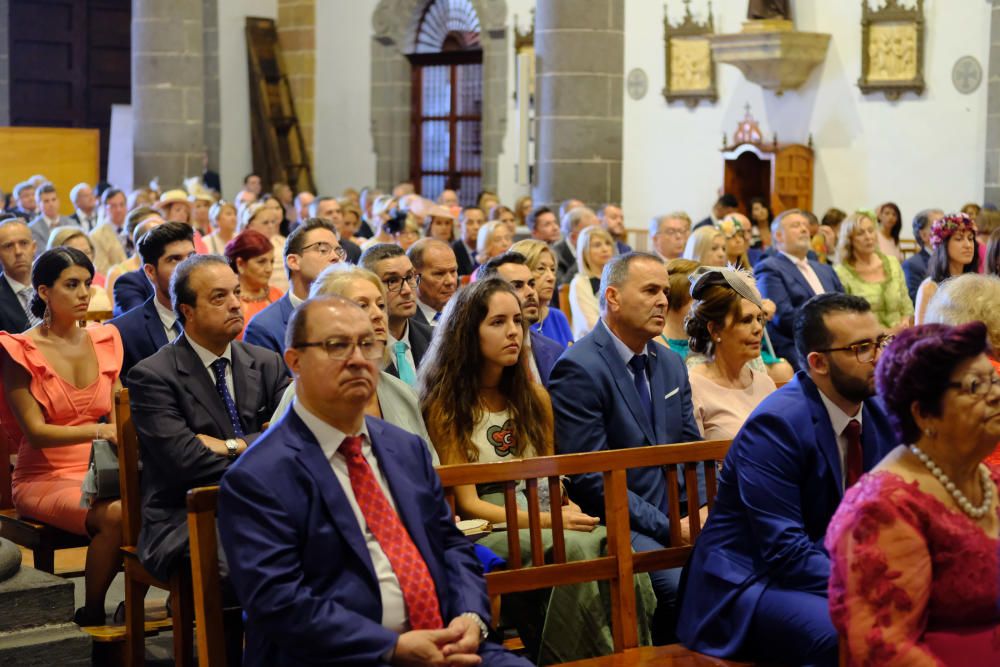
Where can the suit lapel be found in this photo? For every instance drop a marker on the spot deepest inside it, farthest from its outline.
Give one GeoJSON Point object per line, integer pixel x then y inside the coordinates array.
{"type": "Point", "coordinates": [623, 380]}
{"type": "Point", "coordinates": [823, 274]}
{"type": "Point", "coordinates": [823, 429]}
{"type": "Point", "coordinates": [154, 326]}
{"type": "Point", "coordinates": [793, 271]}
{"type": "Point", "coordinates": [657, 389]}
{"type": "Point", "coordinates": [12, 305]}
{"type": "Point", "coordinates": [200, 385]}
{"type": "Point", "coordinates": [247, 385]}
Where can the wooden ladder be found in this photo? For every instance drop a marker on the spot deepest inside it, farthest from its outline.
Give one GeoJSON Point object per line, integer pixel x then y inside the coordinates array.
{"type": "Point", "coordinates": [279, 149]}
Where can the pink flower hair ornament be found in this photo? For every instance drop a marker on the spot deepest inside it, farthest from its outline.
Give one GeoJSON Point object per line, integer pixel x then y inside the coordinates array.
{"type": "Point", "coordinates": [945, 228]}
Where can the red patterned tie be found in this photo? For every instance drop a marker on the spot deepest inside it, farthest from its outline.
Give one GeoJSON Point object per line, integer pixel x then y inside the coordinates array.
{"type": "Point", "coordinates": [855, 459]}
{"type": "Point", "coordinates": [411, 570]}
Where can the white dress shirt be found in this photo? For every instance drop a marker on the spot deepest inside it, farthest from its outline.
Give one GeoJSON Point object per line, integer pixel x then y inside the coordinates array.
{"type": "Point", "coordinates": [168, 318]}
{"type": "Point", "coordinates": [840, 420]}
{"type": "Point", "coordinates": [208, 358]}
{"type": "Point", "coordinates": [23, 296]}
{"type": "Point", "coordinates": [329, 438]}
{"type": "Point", "coordinates": [87, 222]}
{"type": "Point", "coordinates": [409, 349]}
{"type": "Point", "coordinates": [807, 272]}
{"type": "Point", "coordinates": [428, 312]}
{"type": "Point", "coordinates": [626, 354]}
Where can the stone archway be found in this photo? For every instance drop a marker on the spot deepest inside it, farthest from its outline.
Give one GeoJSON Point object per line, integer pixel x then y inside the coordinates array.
{"type": "Point", "coordinates": [395, 24]}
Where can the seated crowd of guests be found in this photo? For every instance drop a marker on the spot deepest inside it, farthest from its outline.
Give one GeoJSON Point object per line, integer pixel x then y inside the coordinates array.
{"type": "Point", "coordinates": [318, 357]}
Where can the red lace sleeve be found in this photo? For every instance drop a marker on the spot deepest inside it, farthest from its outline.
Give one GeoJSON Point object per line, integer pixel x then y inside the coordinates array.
{"type": "Point", "coordinates": [880, 577]}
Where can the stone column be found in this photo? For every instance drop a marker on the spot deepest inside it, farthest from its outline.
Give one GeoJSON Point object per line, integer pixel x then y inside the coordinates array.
{"type": "Point", "coordinates": [992, 192]}
{"type": "Point", "coordinates": [213, 113]}
{"type": "Point", "coordinates": [297, 36]}
{"type": "Point", "coordinates": [391, 89]}
{"type": "Point", "coordinates": [168, 89]}
{"type": "Point", "coordinates": [580, 47]}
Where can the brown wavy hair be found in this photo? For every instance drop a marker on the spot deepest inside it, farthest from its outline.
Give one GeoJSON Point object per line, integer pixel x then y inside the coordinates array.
{"type": "Point", "coordinates": [449, 382]}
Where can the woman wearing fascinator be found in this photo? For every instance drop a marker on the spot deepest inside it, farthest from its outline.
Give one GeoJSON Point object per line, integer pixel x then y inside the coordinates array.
{"type": "Point", "coordinates": [725, 327]}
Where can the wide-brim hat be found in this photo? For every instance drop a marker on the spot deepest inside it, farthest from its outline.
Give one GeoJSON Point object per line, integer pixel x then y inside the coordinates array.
{"type": "Point", "coordinates": [438, 211]}
{"type": "Point", "coordinates": [172, 197]}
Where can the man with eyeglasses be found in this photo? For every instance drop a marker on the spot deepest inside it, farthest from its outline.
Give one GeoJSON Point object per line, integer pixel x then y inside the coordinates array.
{"type": "Point", "coordinates": [329, 209]}
{"type": "Point", "coordinates": [757, 580]}
{"type": "Point", "coordinates": [310, 248]}
{"type": "Point", "coordinates": [437, 277]}
{"type": "Point", "coordinates": [409, 337]}
{"type": "Point", "coordinates": [197, 404]}
{"type": "Point", "coordinates": [668, 234]}
{"type": "Point", "coordinates": [345, 515]}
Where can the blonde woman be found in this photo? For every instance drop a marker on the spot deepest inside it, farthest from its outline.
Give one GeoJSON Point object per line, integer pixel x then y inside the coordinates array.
{"type": "Point", "coordinates": [494, 239]}
{"type": "Point", "coordinates": [266, 219]}
{"type": "Point", "coordinates": [222, 218]}
{"type": "Point", "coordinates": [707, 246]}
{"type": "Point", "coordinates": [594, 249]}
{"type": "Point", "coordinates": [541, 260]}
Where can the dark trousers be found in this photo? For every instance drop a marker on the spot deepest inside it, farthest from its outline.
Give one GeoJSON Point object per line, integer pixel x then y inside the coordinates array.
{"type": "Point", "coordinates": [792, 628]}
{"type": "Point", "coordinates": [666, 584]}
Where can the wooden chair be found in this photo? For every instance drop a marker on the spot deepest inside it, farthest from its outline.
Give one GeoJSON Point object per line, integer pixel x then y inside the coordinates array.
{"type": "Point", "coordinates": [208, 612]}
{"type": "Point", "coordinates": [95, 316]}
{"type": "Point", "coordinates": [564, 304]}
{"type": "Point", "coordinates": [619, 566]}
{"type": "Point", "coordinates": [137, 578]}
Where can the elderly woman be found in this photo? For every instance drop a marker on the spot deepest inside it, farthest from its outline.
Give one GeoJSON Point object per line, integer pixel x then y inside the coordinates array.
{"type": "Point", "coordinates": [953, 252]}
{"type": "Point", "coordinates": [915, 559]}
{"type": "Point", "coordinates": [707, 246]}
{"type": "Point", "coordinates": [266, 219]}
{"type": "Point", "coordinates": [394, 400]}
{"type": "Point", "coordinates": [866, 271]}
{"type": "Point", "coordinates": [552, 322]}
{"type": "Point", "coordinates": [889, 225]}
{"type": "Point", "coordinates": [405, 229]}
{"type": "Point", "coordinates": [74, 237]}
{"type": "Point", "coordinates": [725, 324]}
{"type": "Point", "coordinates": [971, 297]}
{"type": "Point", "coordinates": [594, 249]}
{"type": "Point", "coordinates": [494, 239]}
{"type": "Point", "coordinates": [251, 257]}
{"type": "Point", "coordinates": [222, 218]}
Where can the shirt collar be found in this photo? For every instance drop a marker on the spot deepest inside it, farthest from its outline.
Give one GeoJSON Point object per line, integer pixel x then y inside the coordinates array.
{"type": "Point", "coordinates": [428, 312]}
{"type": "Point", "coordinates": [208, 358]}
{"type": "Point", "coordinates": [795, 260]}
{"type": "Point", "coordinates": [14, 285]}
{"type": "Point", "coordinates": [838, 417]}
{"type": "Point", "coordinates": [623, 350]}
{"type": "Point", "coordinates": [167, 316]}
{"type": "Point", "coordinates": [295, 301]}
{"type": "Point", "coordinates": [329, 437]}
{"type": "Point", "coordinates": [405, 338]}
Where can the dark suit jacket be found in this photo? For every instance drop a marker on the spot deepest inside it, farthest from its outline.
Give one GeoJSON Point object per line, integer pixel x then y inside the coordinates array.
{"type": "Point", "coordinates": [353, 251]}
{"type": "Point", "coordinates": [173, 398]}
{"type": "Point", "coordinates": [466, 261]}
{"type": "Point", "coordinates": [298, 559]}
{"type": "Point", "coordinates": [12, 317]}
{"type": "Point", "coordinates": [546, 352]}
{"type": "Point", "coordinates": [267, 328]}
{"type": "Point", "coordinates": [778, 490]}
{"type": "Point", "coordinates": [704, 222]}
{"type": "Point", "coordinates": [132, 289]}
{"type": "Point", "coordinates": [915, 270]}
{"type": "Point", "coordinates": [597, 408]}
{"type": "Point", "coordinates": [40, 231]}
{"type": "Point", "coordinates": [142, 334]}
{"type": "Point", "coordinates": [781, 281]}
{"type": "Point", "coordinates": [566, 266]}
{"type": "Point", "coordinates": [76, 220]}
{"type": "Point", "coordinates": [420, 339]}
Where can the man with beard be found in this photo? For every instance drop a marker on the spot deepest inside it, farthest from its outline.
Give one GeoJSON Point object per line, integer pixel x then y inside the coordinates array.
{"type": "Point", "coordinates": [757, 580]}
{"type": "Point", "coordinates": [513, 267]}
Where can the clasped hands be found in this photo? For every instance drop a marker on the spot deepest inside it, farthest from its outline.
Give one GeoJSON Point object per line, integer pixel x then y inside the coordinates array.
{"type": "Point", "coordinates": [455, 645]}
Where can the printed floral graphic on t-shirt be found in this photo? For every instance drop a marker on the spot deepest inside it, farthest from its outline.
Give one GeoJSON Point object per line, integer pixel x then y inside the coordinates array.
{"type": "Point", "coordinates": [502, 439]}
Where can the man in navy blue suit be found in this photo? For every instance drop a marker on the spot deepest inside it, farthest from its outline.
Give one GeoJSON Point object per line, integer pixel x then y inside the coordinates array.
{"type": "Point", "coordinates": [789, 279]}
{"type": "Point", "coordinates": [311, 247]}
{"type": "Point", "coordinates": [756, 584]}
{"type": "Point", "coordinates": [616, 388]}
{"type": "Point", "coordinates": [513, 267]}
{"type": "Point", "coordinates": [342, 549]}
{"type": "Point", "coordinates": [150, 326]}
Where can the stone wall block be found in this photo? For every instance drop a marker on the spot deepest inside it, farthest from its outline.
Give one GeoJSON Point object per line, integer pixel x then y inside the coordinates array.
{"type": "Point", "coordinates": [581, 139]}
{"type": "Point", "coordinates": [586, 97]}
{"type": "Point", "coordinates": [582, 180]}
{"type": "Point", "coordinates": [170, 137]}
{"type": "Point", "coordinates": [574, 14]}
{"type": "Point", "coordinates": [170, 167]}
{"type": "Point", "coordinates": [172, 70]}
{"type": "Point", "coordinates": [597, 52]}
{"type": "Point", "coordinates": [616, 95]}
{"type": "Point", "coordinates": [156, 104]}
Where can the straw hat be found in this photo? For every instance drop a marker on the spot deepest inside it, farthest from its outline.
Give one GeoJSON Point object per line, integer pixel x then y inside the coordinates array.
{"type": "Point", "coordinates": [172, 197]}
{"type": "Point", "coordinates": [438, 211]}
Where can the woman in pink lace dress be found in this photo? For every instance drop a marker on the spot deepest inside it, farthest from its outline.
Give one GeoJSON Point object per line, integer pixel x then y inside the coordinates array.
{"type": "Point", "coordinates": [915, 577]}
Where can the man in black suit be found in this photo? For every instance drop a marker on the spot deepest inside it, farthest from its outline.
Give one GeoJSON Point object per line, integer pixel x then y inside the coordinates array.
{"type": "Point", "coordinates": [25, 206]}
{"type": "Point", "coordinates": [147, 328]}
{"type": "Point", "coordinates": [85, 205]}
{"type": "Point", "coordinates": [470, 220]}
{"type": "Point", "coordinates": [133, 289]}
{"type": "Point", "coordinates": [198, 403]}
{"type": "Point", "coordinates": [17, 250]}
{"type": "Point", "coordinates": [409, 337]}
{"type": "Point", "coordinates": [328, 208]}
{"type": "Point", "coordinates": [437, 278]}
{"type": "Point", "coordinates": [723, 206]}
{"type": "Point", "coordinates": [573, 222]}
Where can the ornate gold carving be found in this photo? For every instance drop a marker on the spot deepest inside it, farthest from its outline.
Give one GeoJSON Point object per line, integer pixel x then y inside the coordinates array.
{"type": "Point", "coordinates": [688, 54]}
{"type": "Point", "coordinates": [892, 49]}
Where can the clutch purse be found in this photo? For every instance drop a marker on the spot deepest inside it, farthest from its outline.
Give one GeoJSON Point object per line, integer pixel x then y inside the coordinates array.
{"type": "Point", "coordinates": [104, 468]}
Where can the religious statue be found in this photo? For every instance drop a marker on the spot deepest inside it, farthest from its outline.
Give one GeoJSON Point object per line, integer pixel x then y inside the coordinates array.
{"type": "Point", "coordinates": [769, 9]}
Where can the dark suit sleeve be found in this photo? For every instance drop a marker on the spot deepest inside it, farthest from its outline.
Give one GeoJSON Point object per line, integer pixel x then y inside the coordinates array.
{"type": "Point", "coordinates": [772, 287]}
{"type": "Point", "coordinates": [262, 547]}
{"type": "Point", "coordinates": [913, 277]}
{"type": "Point", "coordinates": [163, 431]}
{"type": "Point", "coordinates": [128, 294]}
{"type": "Point", "coordinates": [770, 466]}
{"type": "Point", "coordinates": [581, 427]}
{"type": "Point", "coordinates": [257, 334]}
{"type": "Point", "coordinates": [275, 380]}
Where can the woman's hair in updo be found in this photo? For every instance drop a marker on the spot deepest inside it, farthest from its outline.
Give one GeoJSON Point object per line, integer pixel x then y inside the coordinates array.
{"type": "Point", "coordinates": [917, 366]}
{"type": "Point", "coordinates": [49, 266]}
{"type": "Point", "coordinates": [717, 303]}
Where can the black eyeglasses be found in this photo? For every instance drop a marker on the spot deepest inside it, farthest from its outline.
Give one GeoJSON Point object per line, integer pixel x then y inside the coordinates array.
{"type": "Point", "coordinates": [864, 352]}
{"type": "Point", "coordinates": [343, 348]}
{"type": "Point", "coordinates": [976, 385]}
{"type": "Point", "coordinates": [324, 249]}
{"type": "Point", "coordinates": [395, 283]}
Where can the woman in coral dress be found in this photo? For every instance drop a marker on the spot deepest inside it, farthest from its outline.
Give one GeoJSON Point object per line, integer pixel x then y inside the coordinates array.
{"type": "Point", "coordinates": [58, 382]}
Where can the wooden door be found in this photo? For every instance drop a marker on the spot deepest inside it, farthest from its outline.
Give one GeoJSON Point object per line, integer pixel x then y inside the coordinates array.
{"type": "Point", "coordinates": [748, 175]}
{"type": "Point", "coordinates": [793, 179]}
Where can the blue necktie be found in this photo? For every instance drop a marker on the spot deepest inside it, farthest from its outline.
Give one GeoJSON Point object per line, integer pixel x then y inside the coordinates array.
{"type": "Point", "coordinates": [219, 367]}
{"type": "Point", "coordinates": [403, 365]}
{"type": "Point", "coordinates": [437, 317]}
{"type": "Point", "coordinates": [638, 366]}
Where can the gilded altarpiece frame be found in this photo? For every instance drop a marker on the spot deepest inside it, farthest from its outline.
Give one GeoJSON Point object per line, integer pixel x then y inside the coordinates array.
{"type": "Point", "coordinates": [690, 68]}
{"type": "Point", "coordinates": [892, 49]}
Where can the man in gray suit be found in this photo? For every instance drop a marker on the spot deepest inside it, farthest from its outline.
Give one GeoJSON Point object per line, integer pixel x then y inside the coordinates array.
{"type": "Point", "coordinates": [197, 404]}
{"type": "Point", "coordinates": [48, 217]}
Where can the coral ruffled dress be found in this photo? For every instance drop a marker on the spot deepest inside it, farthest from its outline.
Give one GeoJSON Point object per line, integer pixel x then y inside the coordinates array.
{"type": "Point", "coordinates": [46, 482]}
{"type": "Point", "coordinates": [913, 581]}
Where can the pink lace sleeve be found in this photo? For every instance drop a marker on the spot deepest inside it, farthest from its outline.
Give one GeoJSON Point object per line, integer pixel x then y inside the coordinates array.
{"type": "Point", "coordinates": [880, 579]}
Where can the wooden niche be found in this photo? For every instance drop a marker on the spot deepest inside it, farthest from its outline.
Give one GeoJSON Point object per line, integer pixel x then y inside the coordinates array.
{"type": "Point", "coordinates": [781, 173]}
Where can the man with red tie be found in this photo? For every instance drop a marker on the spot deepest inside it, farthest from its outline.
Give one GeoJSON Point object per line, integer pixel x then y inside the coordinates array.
{"type": "Point", "coordinates": [342, 549]}
{"type": "Point", "coordinates": [756, 585]}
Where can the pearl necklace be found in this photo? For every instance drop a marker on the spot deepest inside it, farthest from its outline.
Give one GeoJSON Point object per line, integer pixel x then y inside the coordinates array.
{"type": "Point", "coordinates": [985, 481]}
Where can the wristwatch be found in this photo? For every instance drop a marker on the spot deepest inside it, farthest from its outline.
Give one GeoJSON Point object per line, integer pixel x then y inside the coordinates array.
{"type": "Point", "coordinates": [484, 631]}
{"type": "Point", "coordinates": [233, 445]}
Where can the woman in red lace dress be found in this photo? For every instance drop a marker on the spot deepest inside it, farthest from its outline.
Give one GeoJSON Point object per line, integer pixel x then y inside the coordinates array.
{"type": "Point", "coordinates": [915, 576]}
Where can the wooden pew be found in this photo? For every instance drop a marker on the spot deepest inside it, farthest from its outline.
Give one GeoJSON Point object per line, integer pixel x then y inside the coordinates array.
{"type": "Point", "coordinates": [619, 566]}
{"type": "Point", "coordinates": [208, 611]}
{"type": "Point", "coordinates": [564, 303]}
